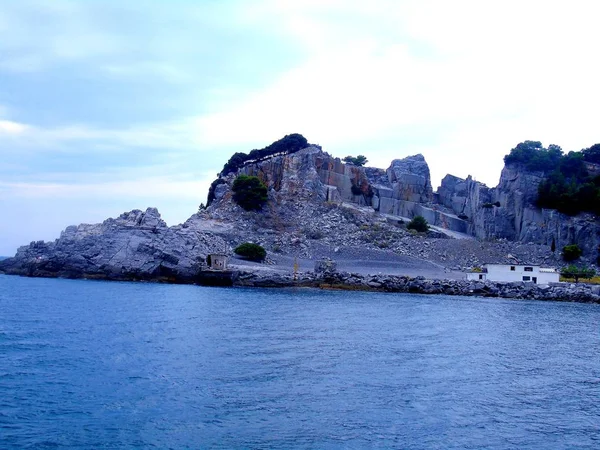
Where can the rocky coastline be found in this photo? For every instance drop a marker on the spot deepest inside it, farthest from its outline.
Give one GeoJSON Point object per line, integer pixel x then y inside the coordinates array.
{"type": "Point", "coordinates": [319, 207]}
{"type": "Point", "coordinates": [324, 278]}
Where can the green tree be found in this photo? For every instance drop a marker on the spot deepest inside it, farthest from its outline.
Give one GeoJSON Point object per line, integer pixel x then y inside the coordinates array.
{"type": "Point", "coordinates": [592, 154]}
{"type": "Point", "coordinates": [253, 252]}
{"type": "Point", "coordinates": [571, 252]}
{"type": "Point", "coordinates": [534, 157]}
{"type": "Point", "coordinates": [574, 272]}
{"type": "Point", "coordinates": [359, 160]}
{"type": "Point", "coordinates": [249, 192]}
{"type": "Point", "coordinates": [418, 223]}
{"type": "Point", "coordinates": [291, 143]}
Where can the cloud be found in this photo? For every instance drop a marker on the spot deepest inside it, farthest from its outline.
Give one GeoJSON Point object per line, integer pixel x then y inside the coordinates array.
{"type": "Point", "coordinates": [173, 135]}
{"type": "Point", "coordinates": [8, 127]}
{"type": "Point", "coordinates": [99, 95]}
{"type": "Point", "coordinates": [64, 31]}
{"type": "Point", "coordinates": [511, 70]}
{"type": "Point", "coordinates": [157, 188]}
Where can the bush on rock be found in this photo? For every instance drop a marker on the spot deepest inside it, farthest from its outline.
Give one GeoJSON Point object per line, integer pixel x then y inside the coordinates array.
{"type": "Point", "coordinates": [418, 224]}
{"type": "Point", "coordinates": [571, 252]}
{"type": "Point", "coordinates": [249, 192]}
{"type": "Point", "coordinates": [253, 252]}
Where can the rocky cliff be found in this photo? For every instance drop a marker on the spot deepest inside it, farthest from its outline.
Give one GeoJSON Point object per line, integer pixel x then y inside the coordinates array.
{"type": "Point", "coordinates": [134, 246]}
{"type": "Point", "coordinates": [319, 206]}
{"type": "Point", "coordinates": [509, 212]}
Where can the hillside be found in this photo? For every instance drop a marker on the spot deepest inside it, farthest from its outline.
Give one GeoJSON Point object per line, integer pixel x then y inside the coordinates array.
{"type": "Point", "coordinates": [314, 206]}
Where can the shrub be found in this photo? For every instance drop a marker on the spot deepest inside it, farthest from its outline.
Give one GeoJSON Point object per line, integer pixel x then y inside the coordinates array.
{"type": "Point", "coordinates": [534, 157]}
{"type": "Point", "coordinates": [574, 272]}
{"type": "Point", "coordinates": [249, 192]}
{"type": "Point", "coordinates": [253, 252]}
{"type": "Point", "coordinates": [571, 252]}
{"type": "Point", "coordinates": [418, 224]}
{"type": "Point", "coordinates": [359, 160]}
{"type": "Point", "coordinates": [592, 154]}
{"type": "Point", "coordinates": [291, 143]}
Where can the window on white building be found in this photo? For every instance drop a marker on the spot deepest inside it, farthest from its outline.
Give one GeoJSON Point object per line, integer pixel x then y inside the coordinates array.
{"type": "Point", "coordinates": [526, 278]}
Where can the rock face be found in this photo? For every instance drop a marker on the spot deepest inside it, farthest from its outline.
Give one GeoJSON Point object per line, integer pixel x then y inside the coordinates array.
{"type": "Point", "coordinates": [135, 245]}
{"type": "Point", "coordinates": [509, 212]}
{"type": "Point", "coordinates": [410, 179]}
{"type": "Point", "coordinates": [317, 205]}
{"type": "Point", "coordinates": [312, 174]}
{"type": "Point", "coordinates": [524, 222]}
{"type": "Point", "coordinates": [406, 188]}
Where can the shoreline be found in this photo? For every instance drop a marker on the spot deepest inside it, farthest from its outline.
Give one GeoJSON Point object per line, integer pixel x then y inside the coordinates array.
{"type": "Point", "coordinates": [339, 280]}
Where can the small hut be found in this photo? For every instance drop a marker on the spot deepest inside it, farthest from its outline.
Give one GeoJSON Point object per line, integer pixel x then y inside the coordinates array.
{"type": "Point", "coordinates": [217, 261]}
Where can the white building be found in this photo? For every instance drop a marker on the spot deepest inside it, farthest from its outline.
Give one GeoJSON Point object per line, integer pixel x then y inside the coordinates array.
{"type": "Point", "coordinates": [515, 272]}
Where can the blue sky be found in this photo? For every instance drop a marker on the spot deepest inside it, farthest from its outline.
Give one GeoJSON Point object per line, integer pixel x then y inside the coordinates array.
{"type": "Point", "coordinates": [108, 106]}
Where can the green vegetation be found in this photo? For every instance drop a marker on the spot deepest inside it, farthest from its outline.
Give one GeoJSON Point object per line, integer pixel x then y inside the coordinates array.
{"type": "Point", "coordinates": [289, 144]}
{"type": "Point", "coordinates": [534, 157]}
{"type": "Point", "coordinates": [567, 185]}
{"type": "Point", "coordinates": [359, 160]}
{"type": "Point", "coordinates": [249, 192]}
{"type": "Point", "coordinates": [570, 195]}
{"type": "Point", "coordinates": [253, 252]}
{"type": "Point", "coordinates": [571, 252]}
{"type": "Point", "coordinates": [418, 224]}
{"type": "Point", "coordinates": [575, 272]}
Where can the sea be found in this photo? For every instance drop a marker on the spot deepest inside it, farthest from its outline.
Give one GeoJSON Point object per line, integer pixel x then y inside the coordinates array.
{"type": "Point", "coordinates": [107, 365]}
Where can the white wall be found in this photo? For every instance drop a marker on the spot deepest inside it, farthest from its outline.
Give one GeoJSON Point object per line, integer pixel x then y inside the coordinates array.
{"type": "Point", "coordinates": [503, 272]}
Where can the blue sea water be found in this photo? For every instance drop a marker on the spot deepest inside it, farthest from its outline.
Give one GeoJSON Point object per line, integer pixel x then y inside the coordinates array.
{"type": "Point", "coordinates": [88, 364]}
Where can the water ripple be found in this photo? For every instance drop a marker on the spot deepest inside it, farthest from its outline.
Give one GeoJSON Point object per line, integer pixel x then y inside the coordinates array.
{"type": "Point", "coordinates": [125, 365]}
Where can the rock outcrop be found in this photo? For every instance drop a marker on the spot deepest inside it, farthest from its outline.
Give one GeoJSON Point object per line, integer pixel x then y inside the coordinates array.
{"type": "Point", "coordinates": [318, 205]}
{"type": "Point", "coordinates": [135, 245]}
{"type": "Point", "coordinates": [508, 211]}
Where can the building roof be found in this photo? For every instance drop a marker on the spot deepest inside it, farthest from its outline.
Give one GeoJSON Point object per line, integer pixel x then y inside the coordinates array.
{"type": "Point", "coordinates": [553, 269]}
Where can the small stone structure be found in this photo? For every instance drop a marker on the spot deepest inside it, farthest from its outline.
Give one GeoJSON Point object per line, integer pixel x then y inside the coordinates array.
{"type": "Point", "coordinates": [217, 261]}
{"type": "Point", "coordinates": [325, 266]}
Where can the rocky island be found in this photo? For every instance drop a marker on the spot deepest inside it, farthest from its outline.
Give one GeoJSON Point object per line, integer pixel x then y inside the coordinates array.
{"type": "Point", "coordinates": [329, 223]}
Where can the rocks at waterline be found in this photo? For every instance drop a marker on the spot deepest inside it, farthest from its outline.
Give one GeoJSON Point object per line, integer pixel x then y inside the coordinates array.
{"type": "Point", "coordinates": [135, 246]}
{"type": "Point", "coordinates": [403, 284]}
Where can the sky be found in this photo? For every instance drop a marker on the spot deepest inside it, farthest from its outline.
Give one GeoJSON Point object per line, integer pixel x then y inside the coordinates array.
{"type": "Point", "coordinates": [108, 106]}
